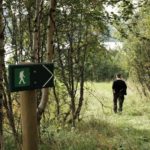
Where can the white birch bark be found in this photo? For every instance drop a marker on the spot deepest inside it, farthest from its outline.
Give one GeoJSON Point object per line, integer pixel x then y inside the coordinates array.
{"type": "Point", "coordinates": [50, 34]}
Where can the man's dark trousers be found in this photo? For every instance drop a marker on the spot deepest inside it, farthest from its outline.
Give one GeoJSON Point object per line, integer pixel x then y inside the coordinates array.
{"type": "Point", "coordinates": [118, 97]}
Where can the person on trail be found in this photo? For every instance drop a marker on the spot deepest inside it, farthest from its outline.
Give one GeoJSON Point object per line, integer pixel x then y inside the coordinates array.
{"type": "Point", "coordinates": [119, 88]}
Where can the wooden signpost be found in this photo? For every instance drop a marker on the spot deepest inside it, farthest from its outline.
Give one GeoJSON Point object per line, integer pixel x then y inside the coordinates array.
{"type": "Point", "coordinates": [26, 78]}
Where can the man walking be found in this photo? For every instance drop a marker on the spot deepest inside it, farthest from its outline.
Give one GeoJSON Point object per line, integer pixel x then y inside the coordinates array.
{"type": "Point", "coordinates": [119, 88]}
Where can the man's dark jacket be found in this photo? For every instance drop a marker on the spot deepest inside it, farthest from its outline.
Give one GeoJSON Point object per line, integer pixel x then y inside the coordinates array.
{"type": "Point", "coordinates": [119, 86]}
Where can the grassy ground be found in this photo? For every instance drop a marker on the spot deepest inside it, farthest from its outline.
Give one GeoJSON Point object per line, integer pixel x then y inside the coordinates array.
{"type": "Point", "coordinates": [129, 130]}
{"type": "Point", "coordinates": [101, 129]}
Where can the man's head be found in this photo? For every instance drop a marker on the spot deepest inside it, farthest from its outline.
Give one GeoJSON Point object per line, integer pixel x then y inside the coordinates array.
{"type": "Point", "coordinates": [118, 75]}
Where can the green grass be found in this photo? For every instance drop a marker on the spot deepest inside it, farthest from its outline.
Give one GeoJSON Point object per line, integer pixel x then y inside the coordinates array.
{"type": "Point", "coordinates": [129, 130]}
{"type": "Point", "coordinates": [101, 129]}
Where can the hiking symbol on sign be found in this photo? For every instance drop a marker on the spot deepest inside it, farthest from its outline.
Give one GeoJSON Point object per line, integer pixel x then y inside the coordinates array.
{"type": "Point", "coordinates": [22, 77]}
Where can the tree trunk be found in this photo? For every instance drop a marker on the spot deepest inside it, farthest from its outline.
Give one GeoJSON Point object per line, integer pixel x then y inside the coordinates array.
{"type": "Point", "coordinates": [1, 73]}
{"type": "Point", "coordinates": [50, 51]}
{"type": "Point", "coordinates": [7, 104]}
{"type": "Point", "coordinates": [77, 114]}
{"type": "Point", "coordinates": [36, 33]}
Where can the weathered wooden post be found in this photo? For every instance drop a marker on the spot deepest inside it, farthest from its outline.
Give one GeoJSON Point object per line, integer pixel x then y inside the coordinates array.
{"type": "Point", "coordinates": [29, 120]}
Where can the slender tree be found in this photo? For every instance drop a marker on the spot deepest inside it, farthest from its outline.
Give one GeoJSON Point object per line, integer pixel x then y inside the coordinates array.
{"type": "Point", "coordinates": [78, 27]}
{"type": "Point", "coordinates": [50, 52]}
{"type": "Point", "coordinates": [1, 73]}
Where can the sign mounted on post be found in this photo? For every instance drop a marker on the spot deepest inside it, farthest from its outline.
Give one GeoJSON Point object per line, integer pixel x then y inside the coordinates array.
{"type": "Point", "coordinates": [30, 76]}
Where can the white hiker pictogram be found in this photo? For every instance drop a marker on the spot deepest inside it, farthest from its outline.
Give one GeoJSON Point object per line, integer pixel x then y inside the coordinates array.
{"type": "Point", "coordinates": [22, 76]}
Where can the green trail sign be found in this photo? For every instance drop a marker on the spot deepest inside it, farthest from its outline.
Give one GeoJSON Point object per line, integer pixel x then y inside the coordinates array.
{"type": "Point", "coordinates": [30, 76]}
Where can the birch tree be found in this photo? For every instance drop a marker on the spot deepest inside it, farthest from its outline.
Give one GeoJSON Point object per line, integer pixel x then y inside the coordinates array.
{"type": "Point", "coordinates": [79, 27]}
{"type": "Point", "coordinates": [49, 54]}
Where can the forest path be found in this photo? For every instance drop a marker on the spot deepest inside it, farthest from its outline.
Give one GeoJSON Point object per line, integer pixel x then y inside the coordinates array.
{"type": "Point", "coordinates": [131, 128]}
